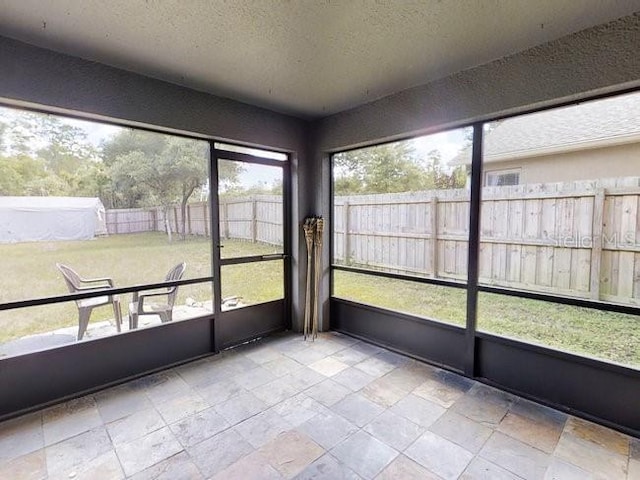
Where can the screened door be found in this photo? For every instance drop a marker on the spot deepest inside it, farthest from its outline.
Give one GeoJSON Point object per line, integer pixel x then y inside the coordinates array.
{"type": "Point", "coordinates": [252, 250]}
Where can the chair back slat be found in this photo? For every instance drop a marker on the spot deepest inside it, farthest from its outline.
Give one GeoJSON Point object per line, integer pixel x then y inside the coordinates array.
{"type": "Point", "coordinates": [71, 278]}
{"type": "Point", "coordinates": [174, 274]}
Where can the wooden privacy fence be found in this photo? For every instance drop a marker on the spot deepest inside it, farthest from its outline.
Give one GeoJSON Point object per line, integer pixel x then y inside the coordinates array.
{"type": "Point", "coordinates": [256, 218]}
{"type": "Point", "coordinates": [577, 238]}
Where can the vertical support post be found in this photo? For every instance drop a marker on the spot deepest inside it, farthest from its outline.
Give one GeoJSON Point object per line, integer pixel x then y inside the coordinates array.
{"type": "Point", "coordinates": [214, 223]}
{"type": "Point", "coordinates": [474, 252]}
{"type": "Point", "coordinates": [597, 228]}
{"type": "Point", "coordinates": [116, 222]}
{"type": "Point", "coordinates": [254, 220]}
{"type": "Point", "coordinates": [346, 227]}
{"type": "Point", "coordinates": [287, 226]}
{"type": "Point", "coordinates": [434, 235]}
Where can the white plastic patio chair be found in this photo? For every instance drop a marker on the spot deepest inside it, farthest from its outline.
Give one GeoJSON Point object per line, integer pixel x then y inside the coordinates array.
{"type": "Point", "coordinates": [77, 284]}
{"type": "Point", "coordinates": [140, 305]}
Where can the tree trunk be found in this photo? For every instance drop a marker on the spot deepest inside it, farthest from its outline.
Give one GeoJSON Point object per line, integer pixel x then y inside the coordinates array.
{"type": "Point", "coordinates": [167, 223]}
{"type": "Point", "coordinates": [186, 193]}
{"type": "Point", "coordinates": [183, 211]}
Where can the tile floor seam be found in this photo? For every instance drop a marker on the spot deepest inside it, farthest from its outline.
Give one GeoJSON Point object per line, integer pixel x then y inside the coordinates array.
{"type": "Point", "coordinates": [119, 462]}
{"type": "Point", "coordinates": [164, 460]}
{"type": "Point", "coordinates": [230, 427]}
{"type": "Point", "coordinates": [153, 402]}
{"type": "Point", "coordinates": [188, 454]}
{"type": "Point", "coordinates": [46, 463]}
{"type": "Point", "coordinates": [484, 443]}
{"type": "Point", "coordinates": [522, 441]}
{"type": "Point", "coordinates": [477, 456]}
{"type": "Point", "coordinates": [72, 437]}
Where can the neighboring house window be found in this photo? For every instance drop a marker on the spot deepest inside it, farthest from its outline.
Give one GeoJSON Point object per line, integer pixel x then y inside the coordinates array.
{"type": "Point", "coordinates": [502, 178]}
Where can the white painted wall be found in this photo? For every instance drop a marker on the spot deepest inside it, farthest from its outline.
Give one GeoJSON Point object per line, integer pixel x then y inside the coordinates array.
{"type": "Point", "coordinates": [592, 164]}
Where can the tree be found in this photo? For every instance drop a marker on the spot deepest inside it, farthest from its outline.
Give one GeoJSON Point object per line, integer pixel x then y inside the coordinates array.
{"type": "Point", "coordinates": [437, 175]}
{"type": "Point", "coordinates": [188, 160]}
{"type": "Point", "coordinates": [44, 155]}
{"type": "Point", "coordinates": [10, 180]}
{"type": "Point", "coordinates": [66, 147]}
{"type": "Point", "coordinates": [392, 168]}
{"type": "Point", "coordinates": [3, 130]}
{"type": "Point", "coordinates": [228, 175]}
{"type": "Point", "coordinates": [130, 140]}
{"type": "Point", "coordinates": [124, 190]}
{"type": "Point", "coordinates": [167, 175]}
{"type": "Point", "coordinates": [23, 175]}
{"type": "Point", "coordinates": [148, 168]}
{"type": "Point", "coordinates": [20, 139]}
{"type": "Point", "coordinates": [137, 169]}
{"type": "Point", "coordinates": [380, 169]}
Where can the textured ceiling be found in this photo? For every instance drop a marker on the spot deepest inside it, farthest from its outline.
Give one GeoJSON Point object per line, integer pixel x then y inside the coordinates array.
{"type": "Point", "coordinates": [304, 57]}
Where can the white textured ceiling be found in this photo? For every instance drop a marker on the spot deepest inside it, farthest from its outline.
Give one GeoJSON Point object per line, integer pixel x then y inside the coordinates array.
{"type": "Point", "coordinates": [304, 57]}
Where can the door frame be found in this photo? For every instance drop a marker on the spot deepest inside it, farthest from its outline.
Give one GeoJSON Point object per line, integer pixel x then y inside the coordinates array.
{"type": "Point", "coordinates": [233, 327]}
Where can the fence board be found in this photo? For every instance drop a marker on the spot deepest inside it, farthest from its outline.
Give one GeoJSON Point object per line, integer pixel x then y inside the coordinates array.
{"type": "Point", "coordinates": [636, 276]}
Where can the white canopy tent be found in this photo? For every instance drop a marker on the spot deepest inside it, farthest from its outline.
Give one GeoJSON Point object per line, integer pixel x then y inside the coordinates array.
{"type": "Point", "coordinates": [36, 219]}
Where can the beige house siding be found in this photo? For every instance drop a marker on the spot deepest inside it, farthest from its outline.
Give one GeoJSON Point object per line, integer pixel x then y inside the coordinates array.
{"type": "Point", "coordinates": [607, 162]}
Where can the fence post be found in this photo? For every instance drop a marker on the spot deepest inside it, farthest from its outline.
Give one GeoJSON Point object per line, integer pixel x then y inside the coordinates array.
{"type": "Point", "coordinates": [345, 223]}
{"type": "Point", "coordinates": [434, 235]}
{"type": "Point", "coordinates": [206, 219]}
{"type": "Point", "coordinates": [154, 219]}
{"type": "Point", "coordinates": [254, 220]}
{"type": "Point", "coordinates": [227, 232]}
{"type": "Point", "coordinates": [596, 243]}
{"type": "Point", "coordinates": [189, 218]}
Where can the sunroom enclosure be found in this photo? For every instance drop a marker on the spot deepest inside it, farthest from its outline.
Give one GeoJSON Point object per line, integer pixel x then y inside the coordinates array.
{"type": "Point", "coordinates": [595, 388]}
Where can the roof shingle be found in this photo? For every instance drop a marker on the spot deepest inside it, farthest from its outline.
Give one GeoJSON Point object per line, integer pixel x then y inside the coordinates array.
{"type": "Point", "coordinates": [561, 128]}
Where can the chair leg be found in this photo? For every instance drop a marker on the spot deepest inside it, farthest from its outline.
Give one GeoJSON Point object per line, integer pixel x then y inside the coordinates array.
{"type": "Point", "coordinates": [166, 316]}
{"type": "Point", "coordinates": [133, 320]}
{"type": "Point", "coordinates": [83, 321]}
{"type": "Point", "coordinates": [117, 313]}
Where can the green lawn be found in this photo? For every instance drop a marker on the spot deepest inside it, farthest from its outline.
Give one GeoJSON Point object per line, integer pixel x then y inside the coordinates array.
{"type": "Point", "coordinates": [30, 272]}
{"type": "Point", "coordinates": [609, 336]}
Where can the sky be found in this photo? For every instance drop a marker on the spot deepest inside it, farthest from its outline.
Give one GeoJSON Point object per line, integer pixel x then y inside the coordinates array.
{"type": "Point", "coordinates": [96, 132]}
{"type": "Point", "coordinates": [448, 143]}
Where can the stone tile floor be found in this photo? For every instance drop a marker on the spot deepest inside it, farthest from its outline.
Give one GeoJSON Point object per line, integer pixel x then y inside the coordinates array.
{"type": "Point", "coordinates": [333, 409]}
